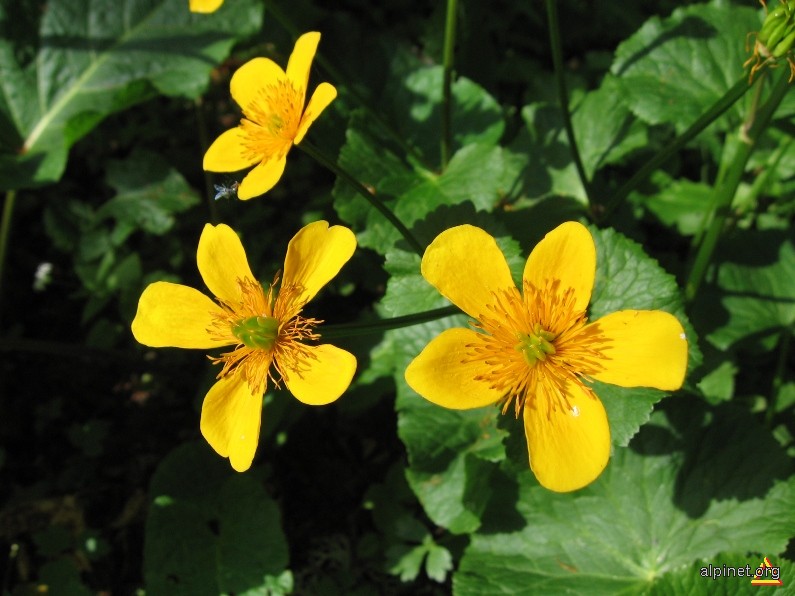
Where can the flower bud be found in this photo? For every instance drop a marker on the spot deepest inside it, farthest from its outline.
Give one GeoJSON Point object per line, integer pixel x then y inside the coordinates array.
{"type": "Point", "coordinates": [775, 40]}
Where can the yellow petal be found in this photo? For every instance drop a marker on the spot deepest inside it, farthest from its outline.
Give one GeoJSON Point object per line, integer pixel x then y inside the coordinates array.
{"type": "Point", "coordinates": [230, 420]}
{"type": "Point", "coordinates": [439, 375]}
{"type": "Point", "coordinates": [328, 376]}
{"type": "Point", "coordinates": [568, 449]}
{"type": "Point", "coordinates": [262, 178]}
{"type": "Point", "coordinates": [314, 256]}
{"type": "Point", "coordinates": [172, 315]}
{"type": "Point", "coordinates": [250, 79]}
{"type": "Point", "coordinates": [300, 62]}
{"type": "Point", "coordinates": [222, 261]}
{"type": "Point", "coordinates": [205, 6]}
{"type": "Point", "coordinates": [321, 98]}
{"type": "Point", "coordinates": [568, 254]}
{"type": "Point", "coordinates": [465, 264]}
{"type": "Point", "coordinates": [644, 348]}
{"type": "Point", "coordinates": [227, 153]}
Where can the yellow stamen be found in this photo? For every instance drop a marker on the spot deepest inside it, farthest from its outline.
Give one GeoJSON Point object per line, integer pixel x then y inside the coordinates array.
{"type": "Point", "coordinates": [535, 345]}
{"type": "Point", "coordinates": [271, 120]}
{"type": "Point", "coordinates": [267, 332]}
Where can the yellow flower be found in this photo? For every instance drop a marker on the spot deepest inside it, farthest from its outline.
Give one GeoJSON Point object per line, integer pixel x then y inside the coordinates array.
{"type": "Point", "coordinates": [537, 349]}
{"type": "Point", "coordinates": [205, 5]}
{"type": "Point", "coordinates": [264, 326]}
{"type": "Point", "coordinates": [274, 117]}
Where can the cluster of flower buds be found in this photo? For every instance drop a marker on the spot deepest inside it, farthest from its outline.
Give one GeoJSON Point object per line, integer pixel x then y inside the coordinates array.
{"type": "Point", "coordinates": [775, 40]}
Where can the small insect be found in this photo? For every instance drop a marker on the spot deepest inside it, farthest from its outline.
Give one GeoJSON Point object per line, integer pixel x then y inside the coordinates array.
{"type": "Point", "coordinates": [226, 191]}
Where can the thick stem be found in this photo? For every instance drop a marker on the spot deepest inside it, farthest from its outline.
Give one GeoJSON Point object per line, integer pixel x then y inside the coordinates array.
{"type": "Point", "coordinates": [362, 190]}
{"type": "Point", "coordinates": [713, 113]}
{"type": "Point", "coordinates": [5, 234]}
{"type": "Point", "coordinates": [726, 187]}
{"type": "Point", "coordinates": [352, 329]}
{"type": "Point", "coordinates": [563, 96]}
{"type": "Point", "coordinates": [447, 82]}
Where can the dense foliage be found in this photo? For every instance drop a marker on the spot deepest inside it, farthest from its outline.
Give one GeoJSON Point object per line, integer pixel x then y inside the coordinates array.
{"type": "Point", "coordinates": [683, 170]}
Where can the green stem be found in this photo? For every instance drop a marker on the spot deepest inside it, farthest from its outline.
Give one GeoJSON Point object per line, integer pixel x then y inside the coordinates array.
{"type": "Point", "coordinates": [778, 377]}
{"type": "Point", "coordinates": [563, 96]}
{"type": "Point", "coordinates": [204, 141]}
{"type": "Point", "coordinates": [713, 113]}
{"type": "Point", "coordinates": [353, 329]}
{"type": "Point", "coordinates": [447, 81]}
{"type": "Point", "coordinates": [336, 75]}
{"type": "Point", "coordinates": [726, 187]}
{"type": "Point", "coordinates": [5, 233]}
{"type": "Point", "coordinates": [364, 192]}
{"type": "Point", "coordinates": [760, 184]}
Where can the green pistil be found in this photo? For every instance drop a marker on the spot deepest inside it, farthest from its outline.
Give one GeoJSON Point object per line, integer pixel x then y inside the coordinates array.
{"type": "Point", "coordinates": [276, 124]}
{"type": "Point", "coordinates": [257, 332]}
{"type": "Point", "coordinates": [537, 345]}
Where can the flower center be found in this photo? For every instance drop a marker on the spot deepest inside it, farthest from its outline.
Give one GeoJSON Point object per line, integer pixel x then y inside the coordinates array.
{"type": "Point", "coordinates": [267, 332]}
{"type": "Point", "coordinates": [536, 345]}
{"type": "Point", "coordinates": [257, 332]}
{"type": "Point", "coordinates": [271, 120]}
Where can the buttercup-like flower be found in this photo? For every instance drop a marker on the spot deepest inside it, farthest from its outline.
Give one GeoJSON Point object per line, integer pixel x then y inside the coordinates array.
{"type": "Point", "coordinates": [264, 326]}
{"type": "Point", "coordinates": [274, 117]}
{"type": "Point", "coordinates": [537, 349]}
{"type": "Point", "coordinates": [205, 6]}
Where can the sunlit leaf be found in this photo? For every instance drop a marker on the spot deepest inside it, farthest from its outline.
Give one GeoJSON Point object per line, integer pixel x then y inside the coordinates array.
{"type": "Point", "coordinates": [678, 497]}
{"type": "Point", "coordinates": [673, 69]}
{"type": "Point", "coordinates": [210, 530]}
{"type": "Point", "coordinates": [97, 57]}
{"type": "Point", "coordinates": [757, 278]}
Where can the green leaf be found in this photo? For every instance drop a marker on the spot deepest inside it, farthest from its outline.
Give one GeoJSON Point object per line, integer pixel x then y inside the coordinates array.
{"type": "Point", "coordinates": [149, 194]}
{"type": "Point", "coordinates": [605, 131]}
{"type": "Point", "coordinates": [97, 57]}
{"type": "Point", "coordinates": [604, 127]}
{"type": "Point", "coordinates": [480, 172]}
{"type": "Point", "coordinates": [452, 453]}
{"type": "Point", "coordinates": [627, 278]}
{"type": "Point", "coordinates": [680, 494]}
{"type": "Point", "coordinates": [209, 529]}
{"type": "Point", "coordinates": [415, 106]}
{"type": "Point", "coordinates": [677, 203]}
{"type": "Point", "coordinates": [672, 70]}
{"type": "Point", "coordinates": [408, 561]}
{"type": "Point", "coordinates": [477, 174]}
{"type": "Point", "coordinates": [553, 170]}
{"type": "Point", "coordinates": [438, 563]}
{"type": "Point", "coordinates": [718, 385]}
{"type": "Point", "coordinates": [757, 279]}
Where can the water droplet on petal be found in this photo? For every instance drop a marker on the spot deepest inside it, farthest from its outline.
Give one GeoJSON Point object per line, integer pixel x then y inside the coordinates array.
{"type": "Point", "coordinates": [575, 411]}
{"type": "Point", "coordinates": [682, 336]}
